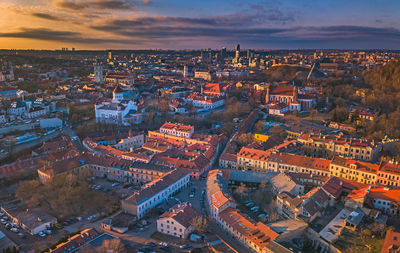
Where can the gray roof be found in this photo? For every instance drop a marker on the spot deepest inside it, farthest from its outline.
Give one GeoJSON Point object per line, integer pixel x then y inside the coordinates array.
{"type": "Point", "coordinates": [31, 218]}
{"type": "Point", "coordinates": [355, 217]}
{"type": "Point", "coordinates": [283, 183]}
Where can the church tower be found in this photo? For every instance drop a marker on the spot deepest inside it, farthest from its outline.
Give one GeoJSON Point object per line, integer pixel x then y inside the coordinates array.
{"type": "Point", "coordinates": [98, 73]}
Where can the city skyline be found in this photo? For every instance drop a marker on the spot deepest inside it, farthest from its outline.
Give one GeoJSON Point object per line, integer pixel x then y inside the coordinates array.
{"type": "Point", "coordinates": [175, 24]}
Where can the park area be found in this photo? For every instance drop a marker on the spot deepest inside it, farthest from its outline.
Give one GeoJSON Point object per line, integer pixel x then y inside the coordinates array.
{"type": "Point", "coordinates": [67, 196]}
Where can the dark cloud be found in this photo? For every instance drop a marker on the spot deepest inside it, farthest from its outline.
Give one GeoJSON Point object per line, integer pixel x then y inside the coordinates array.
{"type": "Point", "coordinates": [185, 30]}
{"type": "Point", "coordinates": [71, 5]}
{"type": "Point", "coordinates": [96, 4]}
{"type": "Point", "coordinates": [61, 36]}
{"type": "Point", "coordinates": [341, 32]}
{"type": "Point", "coordinates": [45, 16]}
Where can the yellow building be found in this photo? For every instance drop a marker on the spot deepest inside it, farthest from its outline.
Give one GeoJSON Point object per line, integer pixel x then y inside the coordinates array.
{"type": "Point", "coordinates": [261, 137]}
{"type": "Point", "coordinates": [253, 159]}
{"type": "Point", "coordinates": [361, 172]}
{"type": "Point", "coordinates": [339, 145]}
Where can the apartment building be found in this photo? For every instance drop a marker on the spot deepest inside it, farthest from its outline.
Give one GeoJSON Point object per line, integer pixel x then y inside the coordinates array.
{"type": "Point", "coordinates": [178, 221]}
{"type": "Point", "coordinates": [155, 192]}
{"type": "Point", "coordinates": [204, 102]}
{"type": "Point", "coordinates": [266, 161]}
{"type": "Point", "coordinates": [389, 173]}
{"type": "Point", "coordinates": [254, 235]}
{"type": "Point", "coordinates": [177, 129]}
{"type": "Point", "coordinates": [339, 145]}
{"type": "Point", "coordinates": [385, 199]}
{"type": "Point", "coordinates": [129, 143]}
{"type": "Point", "coordinates": [361, 172]}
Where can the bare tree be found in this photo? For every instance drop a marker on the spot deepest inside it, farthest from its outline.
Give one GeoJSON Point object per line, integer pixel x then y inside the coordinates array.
{"type": "Point", "coordinates": [200, 224]}
{"type": "Point", "coordinates": [112, 246]}
{"type": "Point", "coordinates": [242, 190]}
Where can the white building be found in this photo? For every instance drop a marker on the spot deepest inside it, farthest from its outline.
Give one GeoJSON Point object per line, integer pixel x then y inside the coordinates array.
{"type": "Point", "coordinates": [130, 143]}
{"type": "Point", "coordinates": [178, 221]}
{"type": "Point", "coordinates": [385, 199]}
{"type": "Point", "coordinates": [278, 109]}
{"type": "Point", "coordinates": [35, 112]}
{"type": "Point", "coordinates": [3, 118]}
{"type": "Point", "coordinates": [206, 75]}
{"type": "Point", "coordinates": [208, 103]}
{"type": "Point", "coordinates": [17, 108]}
{"type": "Point", "coordinates": [177, 129]}
{"type": "Point", "coordinates": [31, 220]}
{"type": "Point", "coordinates": [155, 192]}
{"type": "Point", "coordinates": [118, 111]}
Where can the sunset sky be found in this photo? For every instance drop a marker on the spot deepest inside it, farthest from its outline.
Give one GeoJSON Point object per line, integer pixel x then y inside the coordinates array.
{"type": "Point", "coordinates": [191, 24]}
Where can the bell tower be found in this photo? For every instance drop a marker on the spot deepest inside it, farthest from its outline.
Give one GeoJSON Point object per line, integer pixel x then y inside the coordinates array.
{"type": "Point", "coordinates": [98, 73]}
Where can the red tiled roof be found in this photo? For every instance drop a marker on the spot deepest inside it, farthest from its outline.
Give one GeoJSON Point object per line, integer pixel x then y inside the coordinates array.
{"type": "Point", "coordinates": [184, 214]}
{"type": "Point", "coordinates": [76, 241]}
{"type": "Point", "coordinates": [177, 127]}
{"type": "Point", "coordinates": [278, 90]}
{"type": "Point", "coordinates": [385, 193]}
{"type": "Point", "coordinates": [258, 233]}
{"type": "Point", "coordinates": [392, 242]}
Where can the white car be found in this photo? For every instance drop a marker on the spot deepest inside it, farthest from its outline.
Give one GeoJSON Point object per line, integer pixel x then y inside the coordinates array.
{"type": "Point", "coordinates": [15, 230]}
{"type": "Point", "coordinates": [42, 234]}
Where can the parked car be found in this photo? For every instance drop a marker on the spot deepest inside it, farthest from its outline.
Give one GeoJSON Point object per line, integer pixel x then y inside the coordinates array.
{"type": "Point", "coordinates": [21, 235]}
{"type": "Point", "coordinates": [151, 244]}
{"type": "Point", "coordinates": [48, 231]}
{"type": "Point", "coordinates": [15, 230]}
{"type": "Point", "coordinates": [42, 234]}
{"type": "Point", "coordinates": [185, 246]}
{"type": "Point", "coordinates": [115, 184]}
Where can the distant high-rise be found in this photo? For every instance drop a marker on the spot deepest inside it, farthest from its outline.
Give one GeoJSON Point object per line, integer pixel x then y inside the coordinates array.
{"type": "Point", "coordinates": [98, 73]}
{"type": "Point", "coordinates": [185, 71]}
{"type": "Point", "coordinates": [237, 48]}
{"type": "Point", "coordinates": [237, 55]}
{"type": "Point", "coordinates": [206, 56]}
{"type": "Point", "coordinates": [249, 54]}
{"type": "Point", "coordinates": [109, 55]}
{"type": "Point", "coordinates": [223, 53]}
